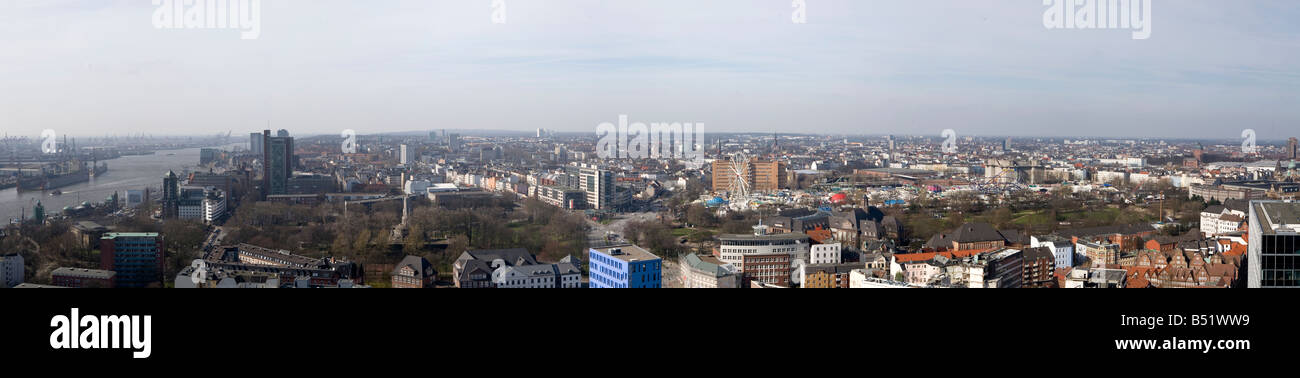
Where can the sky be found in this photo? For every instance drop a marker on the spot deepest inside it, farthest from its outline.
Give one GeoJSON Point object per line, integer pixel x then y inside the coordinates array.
{"type": "Point", "coordinates": [1210, 68]}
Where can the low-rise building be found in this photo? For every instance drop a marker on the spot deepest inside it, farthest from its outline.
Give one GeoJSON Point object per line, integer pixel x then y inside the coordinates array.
{"type": "Point", "coordinates": [624, 266]}
{"type": "Point", "coordinates": [827, 276]}
{"type": "Point", "coordinates": [414, 272]}
{"type": "Point", "coordinates": [82, 278]}
{"type": "Point", "coordinates": [707, 272]}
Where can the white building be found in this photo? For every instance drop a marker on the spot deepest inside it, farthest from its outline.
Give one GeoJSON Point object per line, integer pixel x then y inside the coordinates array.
{"type": "Point", "coordinates": [417, 187]}
{"type": "Point", "coordinates": [1062, 248]}
{"type": "Point", "coordinates": [825, 254]}
{"type": "Point", "coordinates": [539, 276]}
{"type": "Point", "coordinates": [707, 272]}
{"type": "Point", "coordinates": [11, 270]}
{"type": "Point", "coordinates": [1216, 220]}
{"type": "Point", "coordinates": [214, 206]}
{"type": "Point", "coordinates": [407, 155]}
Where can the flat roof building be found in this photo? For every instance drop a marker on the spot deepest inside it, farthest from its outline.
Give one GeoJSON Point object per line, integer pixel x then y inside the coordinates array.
{"type": "Point", "coordinates": [624, 266]}
{"type": "Point", "coordinates": [1273, 248]}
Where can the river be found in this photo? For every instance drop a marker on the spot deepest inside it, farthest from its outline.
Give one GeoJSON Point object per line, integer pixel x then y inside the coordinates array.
{"type": "Point", "coordinates": [127, 172]}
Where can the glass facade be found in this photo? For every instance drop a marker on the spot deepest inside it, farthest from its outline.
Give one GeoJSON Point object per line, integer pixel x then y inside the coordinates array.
{"type": "Point", "coordinates": [1279, 256]}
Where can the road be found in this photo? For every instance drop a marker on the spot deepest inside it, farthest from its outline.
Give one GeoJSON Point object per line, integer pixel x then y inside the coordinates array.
{"type": "Point", "coordinates": [598, 230]}
{"type": "Point", "coordinates": [213, 240]}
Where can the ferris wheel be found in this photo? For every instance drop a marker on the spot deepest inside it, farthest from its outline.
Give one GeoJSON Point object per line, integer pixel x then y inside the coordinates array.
{"type": "Point", "coordinates": [739, 185]}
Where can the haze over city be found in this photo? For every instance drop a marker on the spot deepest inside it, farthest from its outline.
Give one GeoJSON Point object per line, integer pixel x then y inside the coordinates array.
{"type": "Point", "coordinates": [99, 68]}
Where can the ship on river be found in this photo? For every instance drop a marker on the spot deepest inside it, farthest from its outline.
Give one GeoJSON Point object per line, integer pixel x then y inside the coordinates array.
{"type": "Point", "coordinates": [49, 180]}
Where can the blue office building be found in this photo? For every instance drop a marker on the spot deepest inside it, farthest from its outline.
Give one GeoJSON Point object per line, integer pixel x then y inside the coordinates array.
{"type": "Point", "coordinates": [624, 266]}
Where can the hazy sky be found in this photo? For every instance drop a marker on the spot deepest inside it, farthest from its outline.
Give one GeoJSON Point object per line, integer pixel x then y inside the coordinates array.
{"type": "Point", "coordinates": [982, 67]}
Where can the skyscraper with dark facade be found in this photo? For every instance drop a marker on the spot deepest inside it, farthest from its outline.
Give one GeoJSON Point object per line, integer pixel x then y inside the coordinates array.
{"type": "Point", "coordinates": [171, 195]}
{"type": "Point", "coordinates": [277, 162]}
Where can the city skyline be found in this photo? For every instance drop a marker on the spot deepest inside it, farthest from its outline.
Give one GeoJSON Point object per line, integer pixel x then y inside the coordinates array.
{"type": "Point", "coordinates": [1208, 70]}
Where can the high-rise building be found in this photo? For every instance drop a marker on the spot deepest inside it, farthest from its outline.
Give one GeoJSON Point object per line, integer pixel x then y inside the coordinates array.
{"type": "Point", "coordinates": [624, 266]}
{"type": "Point", "coordinates": [407, 155]}
{"type": "Point", "coordinates": [256, 144]}
{"type": "Point", "coordinates": [171, 198]}
{"type": "Point", "coordinates": [453, 141]}
{"type": "Point", "coordinates": [1272, 258]}
{"type": "Point", "coordinates": [599, 186]}
{"type": "Point", "coordinates": [136, 257]}
{"type": "Point", "coordinates": [1293, 148]}
{"type": "Point", "coordinates": [277, 161]}
{"type": "Point", "coordinates": [38, 213]}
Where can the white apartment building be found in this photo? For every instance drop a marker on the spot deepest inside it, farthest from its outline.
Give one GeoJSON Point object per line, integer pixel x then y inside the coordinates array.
{"type": "Point", "coordinates": [1216, 220]}
{"type": "Point", "coordinates": [214, 207]}
{"type": "Point", "coordinates": [825, 254]}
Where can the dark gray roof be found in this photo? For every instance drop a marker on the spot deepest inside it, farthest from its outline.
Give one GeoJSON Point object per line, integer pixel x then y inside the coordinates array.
{"type": "Point", "coordinates": [1038, 253]}
{"type": "Point", "coordinates": [422, 267]}
{"type": "Point", "coordinates": [967, 233]}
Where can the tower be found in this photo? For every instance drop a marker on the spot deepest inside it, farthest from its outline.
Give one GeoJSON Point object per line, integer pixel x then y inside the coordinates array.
{"type": "Point", "coordinates": [171, 199]}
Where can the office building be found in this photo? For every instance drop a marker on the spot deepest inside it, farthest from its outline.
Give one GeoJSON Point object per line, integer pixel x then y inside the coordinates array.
{"type": "Point", "coordinates": [763, 258]}
{"type": "Point", "coordinates": [1273, 249]}
{"type": "Point", "coordinates": [214, 206]}
{"type": "Point", "coordinates": [624, 266]}
{"type": "Point", "coordinates": [136, 257]}
{"type": "Point", "coordinates": [277, 162]}
{"type": "Point", "coordinates": [599, 186]}
{"type": "Point", "coordinates": [171, 196]}
{"type": "Point", "coordinates": [256, 143]}
{"type": "Point", "coordinates": [190, 203]}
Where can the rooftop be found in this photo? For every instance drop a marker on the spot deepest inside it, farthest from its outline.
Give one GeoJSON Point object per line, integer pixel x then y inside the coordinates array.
{"type": "Point", "coordinates": [86, 273]}
{"type": "Point", "coordinates": [627, 252]}
{"type": "Point", "coordinates": [114, 235]}
{"type": "Point", "coordinates": [1277, 217]}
